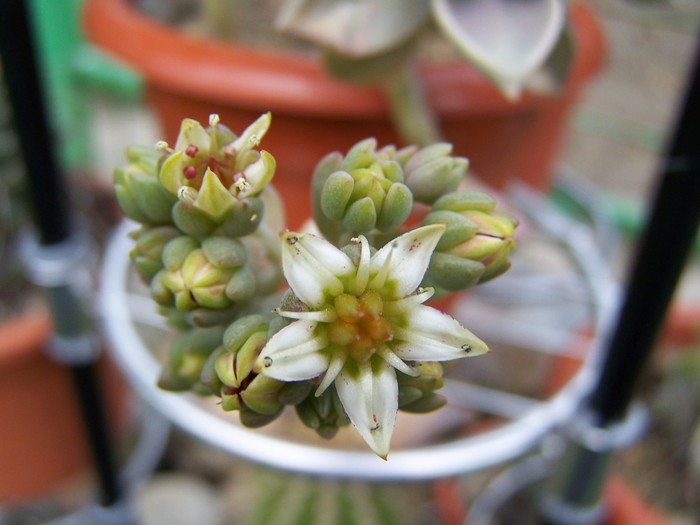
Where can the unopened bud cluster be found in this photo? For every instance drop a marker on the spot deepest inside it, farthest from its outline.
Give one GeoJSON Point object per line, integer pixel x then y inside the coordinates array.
{"type": "Point", "coordinates": [476, 244]}
{"type": "Point", "coordinates": [201, 206]}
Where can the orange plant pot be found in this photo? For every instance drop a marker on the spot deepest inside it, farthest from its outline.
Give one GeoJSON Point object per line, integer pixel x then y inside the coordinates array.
{"type": "Point", "coordinates": [42, 440]}
{"type": "Point", "coordinates": [313, 114]}
{"type": "Point", "coordinates": [623, 506]}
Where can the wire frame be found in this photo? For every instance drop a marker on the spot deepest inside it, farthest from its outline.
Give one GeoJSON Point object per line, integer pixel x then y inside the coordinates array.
{"type": "Point", "coordinates": [488, 423]}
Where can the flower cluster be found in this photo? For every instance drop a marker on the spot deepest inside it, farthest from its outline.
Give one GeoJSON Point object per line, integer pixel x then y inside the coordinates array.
{"type": "Point", "coordinates": [348, 338]}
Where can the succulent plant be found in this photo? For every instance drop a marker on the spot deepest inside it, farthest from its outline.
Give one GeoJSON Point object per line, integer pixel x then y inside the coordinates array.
{"type": "Point", "coordinates": [375, 41]}
{"type": "Point", "coordinates": [350, 340]}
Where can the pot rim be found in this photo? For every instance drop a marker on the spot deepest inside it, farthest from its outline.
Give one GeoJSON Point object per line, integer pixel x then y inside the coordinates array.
{"type": "Point", "coordinates": [296, 82]}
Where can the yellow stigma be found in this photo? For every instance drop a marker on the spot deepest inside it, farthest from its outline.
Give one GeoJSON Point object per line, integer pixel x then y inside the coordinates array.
{"type": "Point", "coordinates": [360, 326]}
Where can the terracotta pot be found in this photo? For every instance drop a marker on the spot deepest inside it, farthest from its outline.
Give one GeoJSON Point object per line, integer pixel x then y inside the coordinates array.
{"type": "Point", "coordinates": [186, 76]}
{"type": "Point", "coordinates": [623, 505]}
{"type": "Point", "coordinates": [42, 440]}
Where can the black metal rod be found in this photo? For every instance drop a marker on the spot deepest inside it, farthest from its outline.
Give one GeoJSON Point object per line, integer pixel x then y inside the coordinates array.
{"type": "Point", "coordinates": [663, 250]}
{"type": "Point", "coordinates": [21, 72]}
{"type": "Point", "coordinates": [49, 199]}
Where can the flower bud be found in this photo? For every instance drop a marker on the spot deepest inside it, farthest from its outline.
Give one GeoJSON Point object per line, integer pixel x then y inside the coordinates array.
{"type": "Point", "coordinates": [432, 172]}
{"type": "Point", "coordinates": [476, 244]}
{"type": "Point", "coordinates": [148, 248]}
{"type": "Point", "coordinates": [241, 387]}
{"type": "Point", "coordinates": [187, 356]}
{"type": "Point", "coordinates": [176, 251]}
{"type": "Point", "coordinates": [160, 292]}
{"type": "Point", "coordinates": [192, 221]}
{"type": "Point", "coordinates": [417, 393]}
{"type": "Point", "coordinates": [325, 413]}
{"type": "Point", "coordinates": [210, 276]}
{"type": "Point", "coordinates": [205, 317]}
{"type": "Point", "coordinates": [138, 190]}
{"type": "Point", "coordinates": [365, 192]}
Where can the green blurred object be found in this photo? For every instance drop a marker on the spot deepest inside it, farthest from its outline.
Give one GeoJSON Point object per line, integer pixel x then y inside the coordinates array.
{"type": "Point", "coordinates": [626, 216]}
{"type": "Point", "coordinates": [68, 65]}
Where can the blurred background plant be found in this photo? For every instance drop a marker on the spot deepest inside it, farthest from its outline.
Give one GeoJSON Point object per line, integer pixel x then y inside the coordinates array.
{"type": "Point", "coordinates": [516, 45]}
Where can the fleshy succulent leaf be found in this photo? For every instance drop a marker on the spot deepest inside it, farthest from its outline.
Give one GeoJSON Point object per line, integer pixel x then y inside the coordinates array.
{"type": "Point", "coordinates": [507, 40]}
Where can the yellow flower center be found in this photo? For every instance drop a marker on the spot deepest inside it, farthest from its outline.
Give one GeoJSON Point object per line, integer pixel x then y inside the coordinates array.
{"type": "Point", "coordinates": [360, 327]}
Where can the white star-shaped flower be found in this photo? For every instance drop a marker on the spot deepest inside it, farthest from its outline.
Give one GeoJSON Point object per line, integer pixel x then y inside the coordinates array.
{"type": "Point", "coordinates": [364, 322]}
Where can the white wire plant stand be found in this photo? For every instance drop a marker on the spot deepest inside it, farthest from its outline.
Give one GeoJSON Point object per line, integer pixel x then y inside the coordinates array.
{"type": "Point", "coordinates": [578, 293]}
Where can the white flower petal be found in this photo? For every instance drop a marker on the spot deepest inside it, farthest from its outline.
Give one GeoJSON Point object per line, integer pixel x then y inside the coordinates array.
{"type": "Point", "coordinates": [390, 357]}
{"type": "Point", "coordinates": [410, 301]}
{"type": "Point", "coordinates": [407, 258]}
{"type": "Point", "coordinates": [293, 353]}
{"type": "Point", "coordinates": [359, 285]}
{"type": "Point", "coordinates": [334, 368]}
{"type": "Point", "coordinates": [327, 315]}
{"type": "Point", "coordinates": [313, 268]}
{"type": "Point", "coordinates": [369, 393]}
{"type": "Point", "coordinates": [430, 335]}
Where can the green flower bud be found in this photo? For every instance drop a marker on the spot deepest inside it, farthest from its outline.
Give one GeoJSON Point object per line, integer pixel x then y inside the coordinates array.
{"type": "Point", "coordinates": [208, 377]}
{"type": "Point", "coordinates": [187, 357]}
{"type": "Point", "coordinates": [262, 395]}
{"type": "Point", "coordinates": [325, 414]}
{"type": "Point", "coordinates": [148, 248]}
{"type": "Point", "coordinates": [243, 218]}
{"type": "Point", "coordinates": [252, 419]}
{"type": "Point", "coordinates": [295, 392]}
{"type": "Point", "coordinates": [241, 387]}
{"type": "Point", "coordinates": [205, 317]}
{"type": "Point", "coordinates": [160, 292]}
{"type": "Point", "coordinates": [206, 277]}
{"type": "Point", "coordinates": [176, 251]}
{"type": "Point", "coordinates": [242, 329]}
{"type": "Point", "coordinates": [192, 221]}
{"type": "Point", "coordinates": [364, 192]}
{"type": "Point", "coordinates": [432, 172]}
{"type": "Point", "coordinates": [225, 252]}
{"type": "Point", "coordinates": [241, 285]}
{"type": "Point", "coordinates": [264, 249]}
{"type": "Point", "coordinates": [417, 394]}
{"type": "Point", "coordinates": [476, 244]}
{"type": "Point", "coordinates": [138, 190]}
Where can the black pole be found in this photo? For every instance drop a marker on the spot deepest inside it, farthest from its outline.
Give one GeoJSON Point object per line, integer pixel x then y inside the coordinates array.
{"type": "Point", "coordinates": [661, 256]}
{"type": "Point", "coordinates": [21, 76]}
{"type": "Point", "coordinates": [53, 223]}
{"type": "Point", "coordinates": [608, 422]}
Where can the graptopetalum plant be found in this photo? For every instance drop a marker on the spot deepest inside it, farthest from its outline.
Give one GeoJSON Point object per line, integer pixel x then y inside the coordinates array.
{"type": "Point", "coordinates": [378, 41]}
{"type": "Point", "coordinates": [348, 337]}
